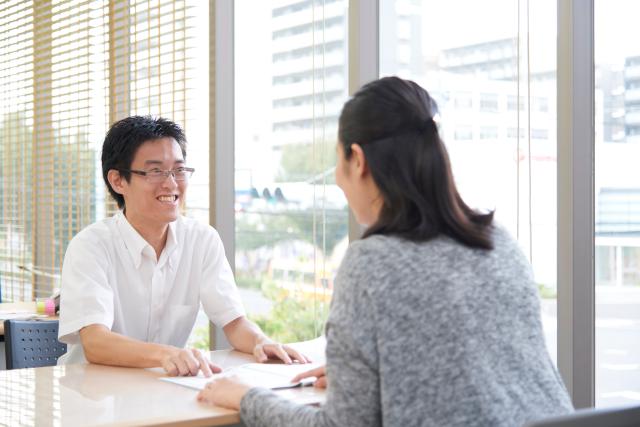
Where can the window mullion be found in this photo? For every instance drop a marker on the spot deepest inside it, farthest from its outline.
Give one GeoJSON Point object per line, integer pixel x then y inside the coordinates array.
{"type": "Point", "coordinates": [576, 288]}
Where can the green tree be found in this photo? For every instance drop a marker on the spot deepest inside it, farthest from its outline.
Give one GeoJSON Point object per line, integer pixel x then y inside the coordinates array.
{"type": "Point", "coordinates": [255, 230]}
{"type": "Point", "coordinates": [304, 161]}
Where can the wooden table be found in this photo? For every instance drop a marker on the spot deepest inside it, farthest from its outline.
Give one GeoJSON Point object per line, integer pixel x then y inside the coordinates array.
{"type": "Point", "coordinates": [94, 395]}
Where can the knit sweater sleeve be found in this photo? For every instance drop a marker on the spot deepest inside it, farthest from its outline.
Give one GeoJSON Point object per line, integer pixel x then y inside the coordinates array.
{"type": "Point", "coordinates": [352, 362]}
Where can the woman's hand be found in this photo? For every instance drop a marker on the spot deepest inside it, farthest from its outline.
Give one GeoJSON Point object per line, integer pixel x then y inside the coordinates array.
{"type": "Point", "coordinates": [267, 349]}
{"type": "Point", "coordinates": [226, 392]}
{"type": "Point", "coordinates": [319, 373]}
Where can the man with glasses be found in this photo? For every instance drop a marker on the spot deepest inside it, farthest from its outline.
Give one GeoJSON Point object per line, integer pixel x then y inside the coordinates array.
{"type": "Point", "coordinates": [132, 284]}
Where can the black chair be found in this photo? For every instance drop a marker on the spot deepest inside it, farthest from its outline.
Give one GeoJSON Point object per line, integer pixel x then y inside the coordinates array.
{"type": "Point", "coordinates": [609, 417]}
{"type": "Point", "coordinates": [32, 343]}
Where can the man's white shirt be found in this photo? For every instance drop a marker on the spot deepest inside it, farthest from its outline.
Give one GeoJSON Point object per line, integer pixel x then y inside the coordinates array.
{"type": "Point", "coordinates": [111, 277]}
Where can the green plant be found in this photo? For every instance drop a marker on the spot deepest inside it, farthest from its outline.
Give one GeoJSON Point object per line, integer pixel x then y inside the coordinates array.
{"type": "Point", "coordinates": [292, 318]}
{"type": "Point", "coordinates": [199, 338]}
{"type": "Point", "coordinates": [248, 282]}
{"type": "Point", "coordinates": [547, 292]}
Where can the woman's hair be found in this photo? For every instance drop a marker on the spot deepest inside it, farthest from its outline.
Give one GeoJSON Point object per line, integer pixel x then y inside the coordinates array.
{"type": "Point", "coordinates": [393, 121]}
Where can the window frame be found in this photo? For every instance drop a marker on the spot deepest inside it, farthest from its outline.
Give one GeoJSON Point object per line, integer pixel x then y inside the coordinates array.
{"type": "Point", "coordinates": [576, 194]}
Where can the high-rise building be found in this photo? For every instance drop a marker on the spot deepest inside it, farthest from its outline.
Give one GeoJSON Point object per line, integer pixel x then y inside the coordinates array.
{"type": "Point", "coordinates": [610, 95]}
{"type": "Point", "coordinates": [495, 59]}
{"type": "Point", "coordinates": [310, 72]}
{"type": "Point", "coordinates": [632, 99]}
{"type": "Point", "coordinates": [309, 77]}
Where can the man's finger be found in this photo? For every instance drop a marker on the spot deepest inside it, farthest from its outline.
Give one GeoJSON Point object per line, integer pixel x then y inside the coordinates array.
{"type": "Point", "coordinates": [214, 368]}
{"type": "Point", "coordinates": [295, 354]}
{"type": "Point", "coordinates": [204, 366]}
{"type": "Point", "coordinates": [193, 364]}
{"type": "Point", "coordinates": [183, 369]}
{"type": "Point", "coordinates": [170, 368]}
{"type": "Point", "coordinates": [279, 351]}
{"type": "Point", "coordinates": [259, 353]}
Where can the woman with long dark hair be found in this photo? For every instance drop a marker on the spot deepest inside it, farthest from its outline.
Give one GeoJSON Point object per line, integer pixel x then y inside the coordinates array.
{"type": "Point", "coordinates": [435, 318]}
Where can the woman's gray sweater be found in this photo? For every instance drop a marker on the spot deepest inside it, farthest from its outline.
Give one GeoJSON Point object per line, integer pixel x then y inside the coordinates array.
{"type": "Point", "coordinates": [429, 334]}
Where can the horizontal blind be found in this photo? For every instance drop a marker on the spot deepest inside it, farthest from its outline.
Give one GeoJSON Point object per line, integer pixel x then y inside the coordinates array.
{"type": "Point", "coordinates": [69, 109]}
{"type": "Point", "coordinates": [149, 48]}
{"type": "Point", "coordinates": [16, 138]}
{"type": "Point", "coordinates": [70, 68]}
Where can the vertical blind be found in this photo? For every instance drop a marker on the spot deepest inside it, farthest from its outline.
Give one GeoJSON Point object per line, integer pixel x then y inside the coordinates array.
{"type": "Point", "coordinates": [68, 69]}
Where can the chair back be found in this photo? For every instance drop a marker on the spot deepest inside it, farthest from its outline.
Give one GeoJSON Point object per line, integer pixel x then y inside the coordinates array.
{"type": "Point", "coordinates": [628, 416]}
{"type": "Point", "coordinates": [32, 343]}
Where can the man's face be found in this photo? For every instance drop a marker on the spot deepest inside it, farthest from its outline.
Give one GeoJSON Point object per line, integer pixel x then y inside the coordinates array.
{"type": "Point", "coordinates": [152, 203]}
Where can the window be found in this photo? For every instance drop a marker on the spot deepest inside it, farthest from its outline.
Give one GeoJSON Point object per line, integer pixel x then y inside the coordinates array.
{"type": "Point", "coordinates": [489, 102]}
{"type": "Point", "coordinates": [540, 104]}
{"type": "Point", "coordinates": [70, 69]}
{"type": "Point", "coordinates": [463, 101]}
{"type": "Point", "coordinates": [539, 134]}
{"type": "Point", "coordinates": [463, 133]}
{"type": "Point", "coordinates": [472, 63]}
{"type": "Point", "coordinates": [617, 204]}
{"type": "Point", "coordinates": [513, 133]}
{"type": "Point", "coordinates": [489, 132]}
{"type": "Point", "coordinates": [606, 267]}
{"type": "Point", "coordinates": [512, 102]}
{"type": "Point", "coordinates": [291, 219]}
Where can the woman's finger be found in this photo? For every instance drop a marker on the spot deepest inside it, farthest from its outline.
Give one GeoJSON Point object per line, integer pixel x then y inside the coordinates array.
{"type": "Point", "coordinates": [316, 372]}
{"type": "Point", "coordinates": [321, 382]}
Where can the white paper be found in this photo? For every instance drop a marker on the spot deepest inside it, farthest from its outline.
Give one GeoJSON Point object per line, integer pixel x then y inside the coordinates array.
{"type": "Point", "coordinates": [273, 376]}
{"type": "Point", "coordinates": [20, 315]}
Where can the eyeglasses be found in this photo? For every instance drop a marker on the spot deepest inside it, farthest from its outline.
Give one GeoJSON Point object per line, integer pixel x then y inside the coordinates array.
{"type": "Point", "coordinates": [158, 175]}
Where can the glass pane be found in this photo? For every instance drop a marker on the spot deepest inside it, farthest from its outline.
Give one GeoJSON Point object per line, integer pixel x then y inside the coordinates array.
{"type": "Point", "coordinates": [291, 218]}
{"type": "Point", "coordinates": [617, 202]}
{"type": "Point", "coordinates": [496, 92]}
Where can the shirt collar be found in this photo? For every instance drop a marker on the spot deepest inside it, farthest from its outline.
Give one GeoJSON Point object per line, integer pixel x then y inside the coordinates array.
{"type": "Point", "coordinates": [136, 244]}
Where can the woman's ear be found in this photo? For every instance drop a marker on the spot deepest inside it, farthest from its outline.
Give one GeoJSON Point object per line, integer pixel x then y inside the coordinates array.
{"type": "Point", "coordinates": [359, 160]}
{"type": "Point", "coordinates": [116, 180]}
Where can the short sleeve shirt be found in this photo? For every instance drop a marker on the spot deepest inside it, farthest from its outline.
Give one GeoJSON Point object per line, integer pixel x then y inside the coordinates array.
{"type": "Point", "coordinates": [111, 276]}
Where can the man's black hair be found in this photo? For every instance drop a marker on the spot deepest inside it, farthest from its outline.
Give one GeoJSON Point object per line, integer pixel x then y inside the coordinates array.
{"type": "Point", "coordinates": [125, 137]}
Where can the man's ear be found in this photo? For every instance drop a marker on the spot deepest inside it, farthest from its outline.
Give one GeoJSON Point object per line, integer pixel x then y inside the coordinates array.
{"type": "Point", "coordinates": [359, 160]}
{"type": "Point", "coordinates": [117, 181]}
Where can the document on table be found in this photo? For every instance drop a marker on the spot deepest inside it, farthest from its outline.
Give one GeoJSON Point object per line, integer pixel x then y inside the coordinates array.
{"type": "Point", "coordinates": [18, 314]}
{"type": "Point", "coordinates": [267, 375]}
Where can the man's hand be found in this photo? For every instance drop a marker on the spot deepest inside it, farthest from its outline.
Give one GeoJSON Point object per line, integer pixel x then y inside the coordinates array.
{"type": "Point", "coordinates": [186, 362]}
{"type": "Point", "coordinates": [267, 349]}
{"type": "Point", "coordinates": [247, 337]}
{"type": "Point", "coordinates": [319, 373]}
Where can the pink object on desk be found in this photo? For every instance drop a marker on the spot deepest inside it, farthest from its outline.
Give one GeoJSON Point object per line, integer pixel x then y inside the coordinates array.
{"type": "Point", "coordinates": [49, 307]}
